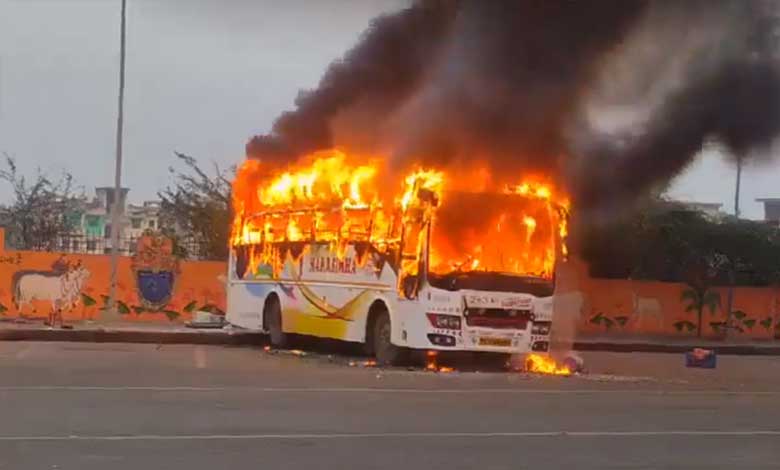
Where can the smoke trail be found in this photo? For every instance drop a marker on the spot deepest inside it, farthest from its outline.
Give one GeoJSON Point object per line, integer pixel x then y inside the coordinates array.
{"type": "Point", "coordinates": [384, 68]}
{"type": "Point", "coordinates": [508, 81]}
{"type": "Point", "coordinates": [525, 85]}
{"type": "Point", "coordinates": [454, 80]}
{"type": "Point", "coordinates": [727, 89]}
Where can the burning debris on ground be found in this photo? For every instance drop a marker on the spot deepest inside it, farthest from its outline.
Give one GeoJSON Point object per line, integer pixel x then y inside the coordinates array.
{"type": "Point", "coordinates": [368, 363]}
{"type": "Point", "coordinates": [539, 364]}
{"type": "Point", "coordinates": [574, 362]}
{"type": "Point", "coordinates": [532, 365]}
{"type": "Point", "coordinates": [432, 363]}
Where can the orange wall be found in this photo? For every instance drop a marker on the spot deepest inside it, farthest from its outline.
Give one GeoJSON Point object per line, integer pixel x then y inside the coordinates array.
{"type": "Point", "coordinates": [197, 284]}
{"type": "Point", "coordinates": [633, 308]}
{"type": "Point", "coordinates": [596, 306]}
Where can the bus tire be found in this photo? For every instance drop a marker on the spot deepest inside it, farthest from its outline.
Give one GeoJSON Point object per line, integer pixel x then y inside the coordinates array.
{"type": "Point", "coordinates": [272, 320]}
{"type": "Point", "coordinates": [387, 354]}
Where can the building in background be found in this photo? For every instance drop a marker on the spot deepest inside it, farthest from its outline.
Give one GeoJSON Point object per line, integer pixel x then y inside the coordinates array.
{"type": "Point", "coordinates": [91, 226]}
{"type": "Point", "coordinates": [142, 218]}
{"type": "Point", "coordinates": [710, 209]}
{"type": "Point", "coordinates": [91, 231]}
{"type": "Point", "coordinates": [771, 209]}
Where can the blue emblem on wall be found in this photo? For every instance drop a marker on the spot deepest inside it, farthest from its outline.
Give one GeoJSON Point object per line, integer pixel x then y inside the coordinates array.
{"type": "Point", "coordinates": [155, 268]}
{"type": "Point", "coordinates": [156, 288]}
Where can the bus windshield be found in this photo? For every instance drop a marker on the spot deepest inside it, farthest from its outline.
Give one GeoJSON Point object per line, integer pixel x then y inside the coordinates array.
{"type": "Point", "coordinates": [495, 233]}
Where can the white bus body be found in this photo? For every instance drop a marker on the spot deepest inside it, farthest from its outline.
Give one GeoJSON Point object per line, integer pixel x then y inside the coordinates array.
{"type": "Point", "coordinates": [321, 294]}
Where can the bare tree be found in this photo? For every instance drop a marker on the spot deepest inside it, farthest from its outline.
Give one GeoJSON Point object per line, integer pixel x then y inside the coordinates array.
{"type": "Point", "coordinates": [198, 205]}
{"type": "Point", "coordinates": [43, 210]}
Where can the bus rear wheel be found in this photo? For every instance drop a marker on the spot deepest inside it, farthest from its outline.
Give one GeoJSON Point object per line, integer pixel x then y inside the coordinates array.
{"type": "Point", "coordinates": [387, 354]}
{"type": "Point", "coordinates": [273, 322]}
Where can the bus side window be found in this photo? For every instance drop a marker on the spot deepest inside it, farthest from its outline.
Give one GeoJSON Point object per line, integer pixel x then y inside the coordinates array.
{"type": "Point", "coordinates": [241, 260]}
{"type": "Point", "coordinates": [410, 286]}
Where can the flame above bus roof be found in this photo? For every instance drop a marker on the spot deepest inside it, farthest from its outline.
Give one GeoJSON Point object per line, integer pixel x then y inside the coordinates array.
{"type": "Point", "coordinates": [331, 197]}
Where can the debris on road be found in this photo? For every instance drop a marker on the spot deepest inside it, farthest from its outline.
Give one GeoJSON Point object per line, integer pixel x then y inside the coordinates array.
{"type": "Point", "coordinates": [574, 363]}
{"type": "Point", "coordinates": [201, 319]}
{"type": "Point", "coordinates": [701, 358]}
{"type": "Point", "coordinates": [539, 364]}
{"type": "Point", "coordinates": [432, 364]}
{"type": "Point", "coordinates": [368, 363]}
{"type": "Point", "coordinates": [616, 378]}
{"type": "Point", "coordinates": [430, 360]}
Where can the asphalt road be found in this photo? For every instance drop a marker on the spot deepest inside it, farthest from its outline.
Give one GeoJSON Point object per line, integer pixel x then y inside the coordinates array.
{"type": "Point", "coordinates": [122, 406]}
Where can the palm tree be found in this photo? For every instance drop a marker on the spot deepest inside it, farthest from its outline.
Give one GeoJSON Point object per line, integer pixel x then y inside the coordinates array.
{"type": "Point", "coordinates": [700, 297]}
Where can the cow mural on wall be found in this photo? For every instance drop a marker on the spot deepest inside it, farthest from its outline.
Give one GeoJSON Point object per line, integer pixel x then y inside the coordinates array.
{"type": "Point", "coordinates": [155, 284]}
{"type": "Point", "coordinates": [61, 287]}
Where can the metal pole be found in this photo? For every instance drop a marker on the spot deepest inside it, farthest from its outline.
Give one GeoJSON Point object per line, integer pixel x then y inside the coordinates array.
{"type": "Point", "coordinates": [732, 277]}
{"type": "Point", "coordinates": [115, 210]}
{"type": "Point", "coordinates": [736, 192]}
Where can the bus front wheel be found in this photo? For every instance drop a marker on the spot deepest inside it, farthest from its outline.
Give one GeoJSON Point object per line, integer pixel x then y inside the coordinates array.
{"type": "Point", "coordinates": [273, 322]}
{"type": "Point", "coordinates": [387, 354]}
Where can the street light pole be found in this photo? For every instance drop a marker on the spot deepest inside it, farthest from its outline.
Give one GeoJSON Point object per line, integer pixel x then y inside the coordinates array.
{"type": "Point", "coordinates": [115, 209]}
{"type": "Point", "coordinates": [732, 274]}
{"type": "Point", "coordinates": [736, 192]}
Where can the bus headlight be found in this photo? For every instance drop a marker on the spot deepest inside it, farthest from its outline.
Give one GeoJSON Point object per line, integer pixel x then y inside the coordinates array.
{"type": "Point", "coordinates": [446, 322]}
{"type": "Point", "coordinates": [541, 328]}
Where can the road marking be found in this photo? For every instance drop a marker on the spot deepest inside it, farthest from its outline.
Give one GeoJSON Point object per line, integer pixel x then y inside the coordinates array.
{"type": "Point", "coordinates": [408, 435]}
{"type": "Point", "coordinates": [471, 391]}
{"type": "Point", "coordinates": [23, 352]}
{"type": "Point", "coordinates": [199, 357]}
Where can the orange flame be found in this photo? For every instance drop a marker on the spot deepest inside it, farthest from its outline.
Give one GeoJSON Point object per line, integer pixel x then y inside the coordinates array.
{"type": "Point", "coordinates": [539, 364]}
{"type": "Point", "coordinates": [501, 233]}
{"type": "Point", "coordinates": [327, 180]}
{"type": "Point", "coordinates": [422, 185]}
{"type": "Point", "coordinates": [331, 197]}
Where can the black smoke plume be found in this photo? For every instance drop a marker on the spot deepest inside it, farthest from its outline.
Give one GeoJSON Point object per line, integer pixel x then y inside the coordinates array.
{"type": "Point", "coordinates": [386, 66]}
{"type": "Point", "coordinates": [726, 90]}
{"type": "Point", "coordinates": [522, 85]}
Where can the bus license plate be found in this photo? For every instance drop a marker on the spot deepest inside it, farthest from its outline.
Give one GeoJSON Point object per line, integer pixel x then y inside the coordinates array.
{"type": "Point", "coordinates": [488, 341]}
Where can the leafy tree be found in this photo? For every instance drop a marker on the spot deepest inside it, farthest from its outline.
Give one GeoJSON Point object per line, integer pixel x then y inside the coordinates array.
{"type": "Point", "coordinates": [700, 297]}
{"type": "Point", "coordinates": [659, 240]}
{"type": "Point", "coordinates": [668, 242]}
{"type": "Point", "coordinates": [748, 252]}
{"type": "Point", "coordinates": [197, 205]}
{"type": "Point", "coordinates": [43, 210]}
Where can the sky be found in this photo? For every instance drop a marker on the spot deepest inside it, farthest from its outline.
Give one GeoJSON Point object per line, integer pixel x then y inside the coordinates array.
{"type": "Point", "coordinates": [202, 77]}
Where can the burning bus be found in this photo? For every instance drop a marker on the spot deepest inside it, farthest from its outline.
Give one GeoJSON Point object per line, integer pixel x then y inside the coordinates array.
{"type": "Point", "coordinates": [338, 249]}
